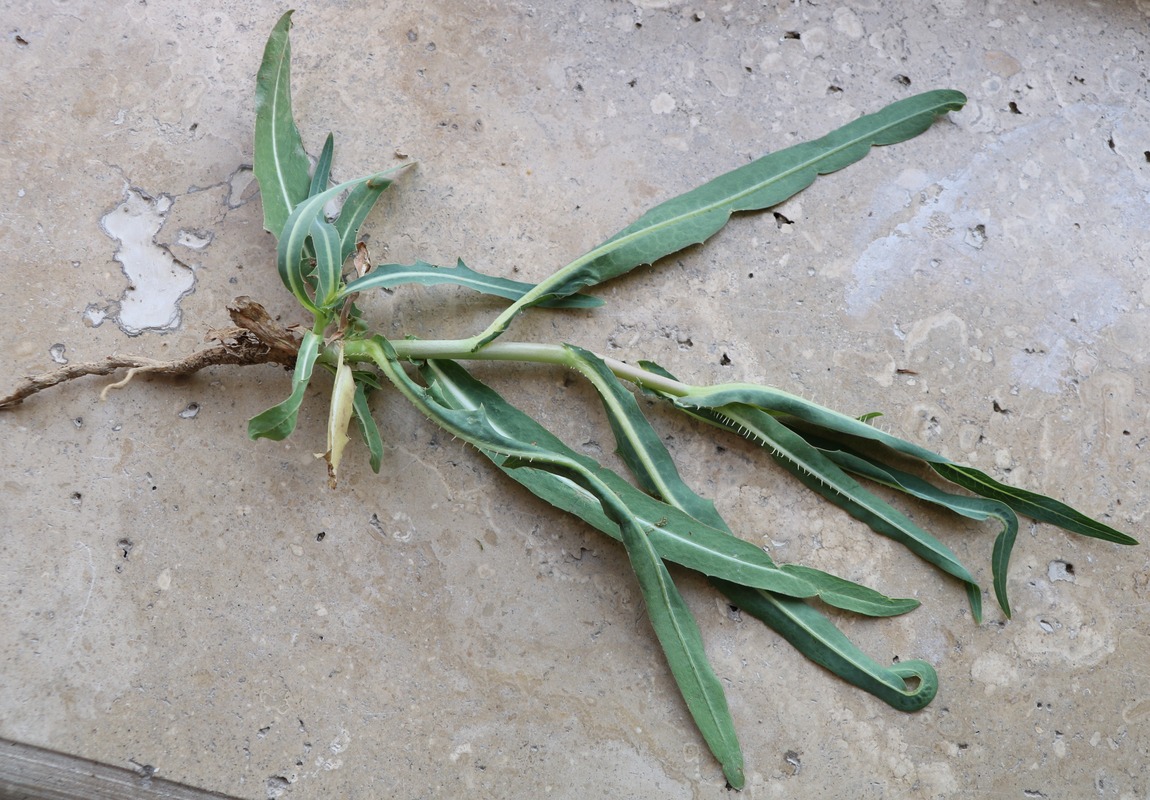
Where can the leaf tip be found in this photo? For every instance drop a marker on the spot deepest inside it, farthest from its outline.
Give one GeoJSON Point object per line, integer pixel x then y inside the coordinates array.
{"type": "Point", "coordinates": [735, 778]}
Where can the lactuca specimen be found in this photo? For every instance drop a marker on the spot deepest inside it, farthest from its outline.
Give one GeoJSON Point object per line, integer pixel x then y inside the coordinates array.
{"type": "Point", "coordinates": [664, 519]}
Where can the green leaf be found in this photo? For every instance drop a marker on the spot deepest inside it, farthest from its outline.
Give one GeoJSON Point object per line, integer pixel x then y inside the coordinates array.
{"type": "Point", "coordinates": [803, 626]}
{"type": "Point", "coordinates": [281, 165]}
{"type": "Point", "coordinates": [677, 536]}
{"type": "Point", "coordinates": [300, 227]}
{"type": "Point", "coordinates": [639, 445]}
{"type": "Point", "coordinates": [279, 421]}
{"type": "Point", "coordinates": [388, 276]}
{"type": "Point", "coordinates": [813, 635]}
{"type": "Point", "coordinates": [354, 211]}
{"type": "Point", "coordinates": [1033, 505]}
{"type": "Point", "coordinates": [829, 424]}
{"type": "Point", "coordinates": [367, 426]}
{"type": "Point", "coordinates": [328, 270]}
{"type": "Point", "coordinates": [820, 474]}
{"type": "Point", "coordinates": [675, 627]}
{"type": "Point", "coordinates": [693, 217]}
{"type": "Point", "coordinates": [645, 455]}
{"type": "Point", "coordinates": [322, 173]}
{"type": "Point", "coordinates": [806, 628]}
{"type": "Point", "coordinates": [474, 413]}
{"type": "Point", "coordinates": [783, 404]}
{"type": "Point", "coordinates": [978, 508]}
{"type": "Point", "coordinates": [850, 596]}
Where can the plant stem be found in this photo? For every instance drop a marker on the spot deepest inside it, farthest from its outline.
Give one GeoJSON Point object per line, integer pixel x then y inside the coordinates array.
{"type": "Point", "coordinates": [530, 352]}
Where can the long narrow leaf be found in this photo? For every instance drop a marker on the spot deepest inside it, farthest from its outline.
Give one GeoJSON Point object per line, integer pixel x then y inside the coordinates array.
{"type": "Point", "coordinates": [818, 639]}
{"type": "Point", "coordinates": [1033, 505]}
{"type": "Point", "coordinates": [677, 536]}
{"type": "Point", "coordinates": [804, 627]}
{"type": "Point", "coordinates": [328, 264]}
{"type": "Point", "coordinates": [279, 421]}
{"type": "Point", "coordinates": [388, 276]}
{"type": "Point", "coordinates": [367, 426]}
{"type": "Point", "coordinates": [978, 508]}
{"type": "Point", "coordinates": [820, 474]}
{"type": "Point", "coordinates": [832, 424]}
{"type": "Point", "coordinates": [645, 455]}
{"type": "Point", "coordinates": [639, 445]}
{"type": "Point", "coordinates": [280, 165]}
{"type": "Point", "coordinates": [693, 217]}
{"type": "Point", "coordinates": [676, 629]}
{"type": "Point", "coordinates": [322, 172]}
{"type": "Point", "coordinates": [777, 402]}
{"type": "Point", "coordinates": [674, 625]}
{"type": "Point", "coordinates": [354, 211]}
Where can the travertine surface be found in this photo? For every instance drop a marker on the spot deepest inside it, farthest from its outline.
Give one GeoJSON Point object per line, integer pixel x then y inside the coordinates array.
{"type": "Point", "coordinates": [175, 595]}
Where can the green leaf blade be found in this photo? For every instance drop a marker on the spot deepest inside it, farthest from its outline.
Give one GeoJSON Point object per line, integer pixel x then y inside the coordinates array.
{"type": "Point", "coordinates": [299, 228]}
{"type": "Point", "coordinates": [322, 173]}
{"type": "Point", "coordinates": [816, 637]}
{"type": "Point", "coordinates": [978, 508]}
{"type": "Point", "coordinates": [389, 276]}
{"type": "Point", "coordinates": [358, 204]}
{"type": "Point", "coordinates": [682, 644]}
{"type": "Point", "coordinates": [328, 264]}
{"type": "Point", "coordinates": [674, 625]}
{"type": "Point", "coordinates": [1031, 504]}
{"type": "Point", "coordinates": [850, 596]}
{"type": "Point", "coordinates": [367, 426]}
{"type": "Point", "coordinates": [277, 422]}
{"type": "Point", "coordinates": [639, 445]}
{"type": "Point", "coordinates": [779, 403]}
{"type": "Point", "coordinates": [676, 535]}
{"type": "Point", "coordinates": [693, 217]}
{"type": "Point", "coordinates": [281, 166]}
{"type": "Point", "coordinates": [821, 474]}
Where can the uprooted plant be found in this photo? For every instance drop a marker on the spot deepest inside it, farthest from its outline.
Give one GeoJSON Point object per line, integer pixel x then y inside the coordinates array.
{"type": "Point", "coordinates": [657, 518]}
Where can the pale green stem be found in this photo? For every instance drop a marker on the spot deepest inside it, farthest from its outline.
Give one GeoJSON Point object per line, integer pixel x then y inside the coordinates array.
{"type": "Point", "coordinates": [459, 349]}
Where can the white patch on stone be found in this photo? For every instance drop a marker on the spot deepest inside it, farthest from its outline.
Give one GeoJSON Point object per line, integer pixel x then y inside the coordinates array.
{"type": "Point", "coordinates": [156, 280]}
{"type": "Point", "coordinates": [662, 103]}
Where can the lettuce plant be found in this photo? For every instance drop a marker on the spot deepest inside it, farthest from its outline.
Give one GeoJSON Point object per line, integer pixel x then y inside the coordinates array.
{"type": "Point", "coordinates": [656, 515]}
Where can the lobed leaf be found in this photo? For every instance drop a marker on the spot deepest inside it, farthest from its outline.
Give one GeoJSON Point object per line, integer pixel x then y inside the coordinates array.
{"type": "Point", "coordinates": [280, 165]}
{"type": "Point", "coordinates": [279, 421]}
{"type": "Point", "coordinates": [693, 217]}
{"type": "Point", "coordinates": [388, 276]}
{"type": "Point", "coordinates": [301, 227]}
